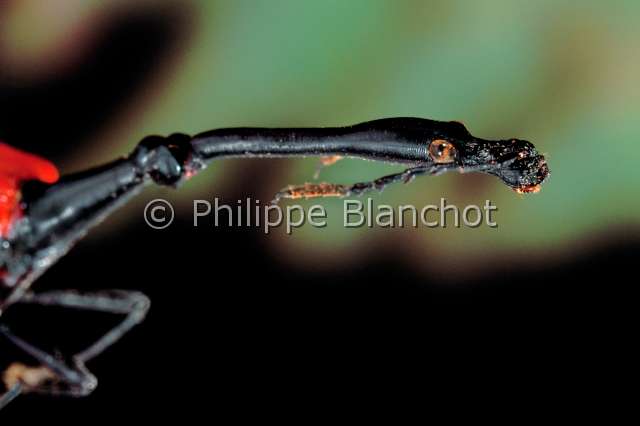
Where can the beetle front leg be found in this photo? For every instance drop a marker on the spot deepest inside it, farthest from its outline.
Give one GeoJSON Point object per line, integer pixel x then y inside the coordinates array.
{"type": "Point", "coordinates": [316, 190]}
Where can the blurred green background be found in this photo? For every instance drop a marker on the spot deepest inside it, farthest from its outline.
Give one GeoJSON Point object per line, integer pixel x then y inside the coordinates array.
{"type": "Point", "coordinates": [562, 74]}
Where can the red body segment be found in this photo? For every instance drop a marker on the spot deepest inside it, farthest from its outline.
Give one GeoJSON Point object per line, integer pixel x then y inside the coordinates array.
{"type": "Point", "coordinates": [16, 167]}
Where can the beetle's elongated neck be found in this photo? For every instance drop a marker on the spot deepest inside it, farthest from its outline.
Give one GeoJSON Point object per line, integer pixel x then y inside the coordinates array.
{"type": "Point", "coordinates": [372, 140]}
{"type": "Point", "coordinates": [55, 216]}
{"type": "Point", "coordinates": [70, 207]}
{"type": "Point", "coordinates": [79, 200]}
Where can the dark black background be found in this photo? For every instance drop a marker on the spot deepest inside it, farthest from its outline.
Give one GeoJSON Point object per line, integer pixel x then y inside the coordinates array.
{"type": "Point", "coordinates": [233, 329]}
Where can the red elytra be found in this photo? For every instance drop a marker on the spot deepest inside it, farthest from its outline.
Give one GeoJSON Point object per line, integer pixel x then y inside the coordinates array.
{"type": "Point", "coordinates": [17, 166]}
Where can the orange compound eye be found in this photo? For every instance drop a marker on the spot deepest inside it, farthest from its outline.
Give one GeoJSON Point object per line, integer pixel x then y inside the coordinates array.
{"type": "Point", "coordinates": [442, 151]}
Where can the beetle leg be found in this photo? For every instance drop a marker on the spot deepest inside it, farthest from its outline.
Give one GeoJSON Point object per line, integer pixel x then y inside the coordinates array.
{"type": "Point", "coordinates": [310, 190]}
{"type": "Point", "coordinates": [56, 377]}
